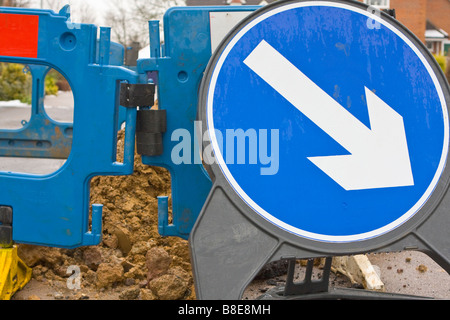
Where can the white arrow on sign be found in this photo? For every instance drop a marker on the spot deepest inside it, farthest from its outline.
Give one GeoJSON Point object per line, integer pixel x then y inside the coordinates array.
{"type": "Point", "coordinates": [379, 156]}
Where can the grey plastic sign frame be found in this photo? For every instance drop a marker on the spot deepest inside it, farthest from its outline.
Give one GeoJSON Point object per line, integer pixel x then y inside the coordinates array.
{"type": "Point", "coordinates": [230, 243]}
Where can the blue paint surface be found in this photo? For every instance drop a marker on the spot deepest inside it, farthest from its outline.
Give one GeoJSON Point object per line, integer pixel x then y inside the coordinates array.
{"type": "Point", "coordinates": [334, 48]}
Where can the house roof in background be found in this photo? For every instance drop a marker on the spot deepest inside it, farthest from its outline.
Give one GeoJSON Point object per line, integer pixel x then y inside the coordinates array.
{"type": "Point", "coordinates": [433, 32]}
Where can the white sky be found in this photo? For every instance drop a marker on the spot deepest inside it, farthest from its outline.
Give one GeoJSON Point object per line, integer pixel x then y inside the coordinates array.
{"type": "Point", "coordinates": [99, 6]}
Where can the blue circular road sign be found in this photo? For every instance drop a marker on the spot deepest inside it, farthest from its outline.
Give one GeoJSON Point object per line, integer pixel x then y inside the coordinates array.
{"type": "Point", "coordinates": [329, 121]}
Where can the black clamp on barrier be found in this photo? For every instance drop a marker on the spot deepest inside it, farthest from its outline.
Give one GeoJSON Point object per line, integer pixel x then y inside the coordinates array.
{"type": "Point", "coordinates": [6, 227]}
{"type": "Point", "coordinates": [137, 95]}
{"type": "Point", "coordinates": [151, 124]}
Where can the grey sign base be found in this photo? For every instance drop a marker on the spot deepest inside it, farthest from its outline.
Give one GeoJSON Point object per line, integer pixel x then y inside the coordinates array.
{"type": "Point", "coordinates": [339, 294]}
{"type": "Point", "coordinates": [229, 247]}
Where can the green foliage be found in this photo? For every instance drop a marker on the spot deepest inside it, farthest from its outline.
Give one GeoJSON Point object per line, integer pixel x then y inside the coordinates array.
{"type": "Point", "coordinates": [15, 83]}
{"type": "Point", "coordinates": [448, 75]}
{"type": "Point", "coordinates": [50, 85]}
{"type": "Point", "coordinates": [442, 60]}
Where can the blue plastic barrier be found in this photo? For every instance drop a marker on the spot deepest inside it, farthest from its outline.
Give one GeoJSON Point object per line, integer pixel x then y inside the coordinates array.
{"type": "Point", "coordinates": [53, 210]}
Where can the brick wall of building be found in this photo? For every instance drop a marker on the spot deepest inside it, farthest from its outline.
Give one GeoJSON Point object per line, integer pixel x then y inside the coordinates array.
{"type": "Point", "coordinates": [438, 12]}
{"type": "Point", "coordinates": [412, 14]}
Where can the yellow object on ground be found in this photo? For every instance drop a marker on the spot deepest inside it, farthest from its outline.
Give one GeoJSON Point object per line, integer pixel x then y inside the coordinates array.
{"type": "Point", "coordinates": [14, 273]}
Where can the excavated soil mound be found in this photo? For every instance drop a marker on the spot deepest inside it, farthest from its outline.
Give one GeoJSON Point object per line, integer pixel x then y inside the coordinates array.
{"type": "Point", "coordinates": [133, 261]}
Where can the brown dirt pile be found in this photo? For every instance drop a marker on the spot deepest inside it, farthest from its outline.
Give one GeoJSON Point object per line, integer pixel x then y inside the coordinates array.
{"type": "Point", "coordinates": [133, 260]}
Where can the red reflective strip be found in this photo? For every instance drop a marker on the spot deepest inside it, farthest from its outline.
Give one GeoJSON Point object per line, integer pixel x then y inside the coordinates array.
{"type": "Point", "coordinates": [19, 35]}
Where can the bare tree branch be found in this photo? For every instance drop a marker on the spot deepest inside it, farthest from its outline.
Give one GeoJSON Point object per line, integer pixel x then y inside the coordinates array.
{"type": "Point", "coordinates": [14, 3]}
{"type": "Point", "coordinates": [83, 14]}
{"type": "Point", "coordinates": [54, 5]}
{"type": "Point", "coordinates": [129, 20]}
